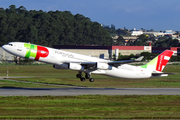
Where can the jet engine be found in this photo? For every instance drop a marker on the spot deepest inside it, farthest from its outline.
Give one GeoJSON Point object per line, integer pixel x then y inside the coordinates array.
{"type": "Point", "coordinates": [62, 66]}
{"type": "Point", "coordinates": [75, 66]}
{"type": "Point", "coordinates": [103, 66]}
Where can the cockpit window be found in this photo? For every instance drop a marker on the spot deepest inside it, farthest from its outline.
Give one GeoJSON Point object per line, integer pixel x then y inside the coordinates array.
{"type": "Point", "coordinates": [11, 44]}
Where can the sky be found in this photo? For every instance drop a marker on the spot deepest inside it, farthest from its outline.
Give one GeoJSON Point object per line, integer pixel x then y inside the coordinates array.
{"type": "Point", "coordinates": [147, 14]}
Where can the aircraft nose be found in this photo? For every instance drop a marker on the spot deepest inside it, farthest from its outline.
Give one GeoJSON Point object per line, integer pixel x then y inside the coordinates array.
{"type": "Point", "coordinates": [4, 47]}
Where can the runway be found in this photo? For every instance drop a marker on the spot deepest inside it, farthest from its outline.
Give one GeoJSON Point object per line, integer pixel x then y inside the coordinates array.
{"type": "Point", "coordinates": [87, 91]}
{"type": "Point", "coordinates": [69, 90]}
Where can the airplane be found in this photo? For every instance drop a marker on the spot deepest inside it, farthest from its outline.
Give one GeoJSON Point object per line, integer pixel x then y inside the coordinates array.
{"type": "Point", "coordinates": [90, 65]}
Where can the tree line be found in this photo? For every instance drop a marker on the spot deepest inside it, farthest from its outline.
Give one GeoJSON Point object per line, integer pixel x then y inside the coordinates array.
{"type": "Point", "coordinates": [50, 28]}
{"type": "Point", "coordinates": [64, 28]}
{"type": "Point", "coordinates": [142, 40]}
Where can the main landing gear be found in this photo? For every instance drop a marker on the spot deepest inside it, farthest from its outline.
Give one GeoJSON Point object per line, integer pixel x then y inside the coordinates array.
{"type": "Point", "coordinates": [87, 76]}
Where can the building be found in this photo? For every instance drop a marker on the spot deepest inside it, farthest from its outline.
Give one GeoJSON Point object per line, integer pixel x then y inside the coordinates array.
{"type": "Point", "coordinates": [140, 32]}
{"type": "Point", "coordinates": [127, 50]}
{"type": "Point", "coordinates": [106, 52]}
{"type": "Point", "coordinates": [176, 50]}
{"type": "Point", "coordinates": [5, 56]}
{"type": "Point", "coordinates": [136, 32]}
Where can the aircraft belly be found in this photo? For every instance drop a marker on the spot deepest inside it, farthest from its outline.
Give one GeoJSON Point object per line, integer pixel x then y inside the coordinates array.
{"type": "Point", "coordinates": [130, 74]}
{"type": "Point", "coordinates": [99, 72]}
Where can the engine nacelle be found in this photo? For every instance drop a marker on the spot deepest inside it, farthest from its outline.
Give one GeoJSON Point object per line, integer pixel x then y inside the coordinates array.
{"type": "Point", "coordinates": [75, 66]}
{"type": "Point", "coordinates": [62, 66]}
{"type": "Point", "coordinates": [103, 66]}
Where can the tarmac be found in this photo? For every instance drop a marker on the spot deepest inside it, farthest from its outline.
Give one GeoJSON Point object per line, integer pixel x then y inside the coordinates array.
{"type": "Point", "coordinates": [69, 90]}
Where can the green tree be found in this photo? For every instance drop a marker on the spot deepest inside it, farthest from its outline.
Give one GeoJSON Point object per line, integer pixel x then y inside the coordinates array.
{"type": "Point", "coordinates": [147, 56]}
{"type": "Point", "coordinates": [142, 40]}
{"type": "Point", "coordinates": [120, 41]}
{"type": "Point", "coordinates": [50, 28]}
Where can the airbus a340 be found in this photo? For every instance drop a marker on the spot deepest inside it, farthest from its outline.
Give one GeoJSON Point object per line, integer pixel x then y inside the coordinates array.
{"type": "Point", "coordinates": [88, 65]}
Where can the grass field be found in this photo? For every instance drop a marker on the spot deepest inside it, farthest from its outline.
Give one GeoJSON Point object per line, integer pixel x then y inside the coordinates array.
{"type": "Point", "coordinates": [87, 106]}
{"type": "Point", "coordinates": [47, 74]}
{"type": "Point", "coordinates": [90, 107]}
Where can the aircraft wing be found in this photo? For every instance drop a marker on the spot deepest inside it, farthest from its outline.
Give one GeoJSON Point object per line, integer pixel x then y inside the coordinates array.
{"type": "Point", "coordinates": [126, 61]}
{"type": "Point", "coordinates": [92, 65]}
{"type": "Point", "coordinates": [117, 63]}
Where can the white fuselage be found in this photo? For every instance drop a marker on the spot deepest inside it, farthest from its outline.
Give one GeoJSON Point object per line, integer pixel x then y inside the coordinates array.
{"type": "Point", "coordinates": [129, 71]}
{"type": "Point", "coordinates": [59, 57]}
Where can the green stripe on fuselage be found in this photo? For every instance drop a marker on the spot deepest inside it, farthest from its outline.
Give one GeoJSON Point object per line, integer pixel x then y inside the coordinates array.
{"type": "Point", "coordinates": [31, 50]}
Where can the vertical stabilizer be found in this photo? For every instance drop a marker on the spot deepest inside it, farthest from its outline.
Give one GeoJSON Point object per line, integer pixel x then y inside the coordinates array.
{"type": "Point", "coordinates": [159, 62]}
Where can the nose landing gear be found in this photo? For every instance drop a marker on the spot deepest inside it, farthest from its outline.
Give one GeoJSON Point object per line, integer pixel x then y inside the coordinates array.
{"type": "Point", "coordinates": [87, 76]}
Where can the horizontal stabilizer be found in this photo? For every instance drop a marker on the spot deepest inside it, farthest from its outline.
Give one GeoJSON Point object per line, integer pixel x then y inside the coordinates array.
{"type": "Point", "coordinates": [158, 74]}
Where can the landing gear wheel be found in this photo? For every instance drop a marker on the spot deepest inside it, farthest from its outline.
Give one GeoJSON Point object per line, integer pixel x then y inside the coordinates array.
{"type": "Point", "coordinates": [79, 75]}
{"type": "Point", "coordinates": [91, 80]}
{"type": "Point", "coordinates": [82, 79]}
{"type": "Point", "coordinates": [87, 76]}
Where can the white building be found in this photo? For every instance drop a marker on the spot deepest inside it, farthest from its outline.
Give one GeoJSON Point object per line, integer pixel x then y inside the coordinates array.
{"type": "Point", "coordinates": [136, 33]}
{"type": "Point", "coordinates": [140, 32]}
{"type": "Point", "coordinates": [169, 32]}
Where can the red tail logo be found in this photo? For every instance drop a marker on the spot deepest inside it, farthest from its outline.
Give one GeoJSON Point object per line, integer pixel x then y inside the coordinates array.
{"type": "Point", "coordinates": [163, 58]}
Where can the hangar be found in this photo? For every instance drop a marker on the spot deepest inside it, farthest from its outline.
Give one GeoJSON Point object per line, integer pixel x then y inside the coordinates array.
{"type": "Point", "coordinates": [104, 51]}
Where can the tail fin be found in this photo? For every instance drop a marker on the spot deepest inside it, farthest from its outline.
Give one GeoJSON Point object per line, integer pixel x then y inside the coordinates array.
{"type": "Point", "coordinates": [159, 62]}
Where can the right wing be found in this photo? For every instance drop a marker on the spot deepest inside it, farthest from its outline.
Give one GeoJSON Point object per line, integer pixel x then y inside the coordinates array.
{"type": "Point", "coordinates": [96, 65]}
